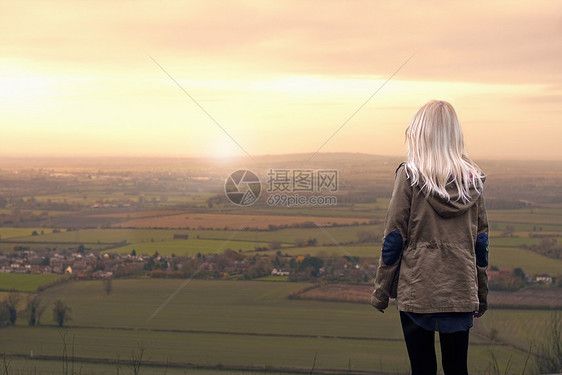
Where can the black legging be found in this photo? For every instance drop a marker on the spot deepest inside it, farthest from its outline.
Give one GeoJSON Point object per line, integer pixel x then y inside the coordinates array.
{"type": "Point", "coordinates": [421, 349]}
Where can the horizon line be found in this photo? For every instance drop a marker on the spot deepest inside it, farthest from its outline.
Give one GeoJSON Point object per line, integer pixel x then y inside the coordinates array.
{"type": "Point", "coordinates": [236, 158]}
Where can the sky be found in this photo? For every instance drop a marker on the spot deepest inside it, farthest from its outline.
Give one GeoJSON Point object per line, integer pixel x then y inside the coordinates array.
{"type": "Point", "coordinates": [247, 78]}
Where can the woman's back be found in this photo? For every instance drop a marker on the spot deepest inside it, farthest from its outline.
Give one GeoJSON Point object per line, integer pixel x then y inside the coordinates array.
{"type": "Point", "coordinates": [438, 270]}
{"type": "Point", "coordinates": [435, 246]}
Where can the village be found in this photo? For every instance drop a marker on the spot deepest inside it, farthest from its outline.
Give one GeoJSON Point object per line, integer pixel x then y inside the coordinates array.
{"type": "Point", "coordinates": [83, 263]}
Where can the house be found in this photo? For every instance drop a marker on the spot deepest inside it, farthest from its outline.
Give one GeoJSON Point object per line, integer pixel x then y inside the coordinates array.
{"type": "Point", "coordinates": [543, 279]}
{"type": "Point", "coordinates": [102, 275]}
{"type": "Point", "coordinates": [79, 265]}
{"type": "Point", "coordinates": [495, 274]}
{"type": "Point", "coordinates": [279, 272]}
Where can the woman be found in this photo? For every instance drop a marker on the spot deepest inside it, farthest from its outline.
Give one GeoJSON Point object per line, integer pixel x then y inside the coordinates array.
{"type": "Point", "coordinates": [435, 246]}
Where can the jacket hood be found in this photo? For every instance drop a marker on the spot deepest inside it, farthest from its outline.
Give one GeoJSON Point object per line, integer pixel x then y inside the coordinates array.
{"type": "Point", "coordinates": [454, 206]}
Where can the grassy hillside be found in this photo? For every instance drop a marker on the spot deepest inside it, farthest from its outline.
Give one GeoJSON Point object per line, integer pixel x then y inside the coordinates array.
{"type": "Point", "coordinates": [231, 323]}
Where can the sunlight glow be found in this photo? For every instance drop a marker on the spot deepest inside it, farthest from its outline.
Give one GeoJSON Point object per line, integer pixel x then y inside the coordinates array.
{"type": "Point", "coordinates": [280, 83]}
{"type": "Point", "coordinates": [224, 149]}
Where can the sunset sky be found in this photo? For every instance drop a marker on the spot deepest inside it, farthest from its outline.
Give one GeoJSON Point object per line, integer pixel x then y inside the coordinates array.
{"type": "Point", "coordinates": [77, 78]}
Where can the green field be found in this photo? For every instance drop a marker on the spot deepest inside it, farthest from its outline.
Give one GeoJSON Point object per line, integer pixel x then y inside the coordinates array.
{"type": "Point", "coordinates": [363, 251]}
{"type": "Point", "coordinates": [100, 193]}
{"type": "Point", "coordinates": [325, 236]}
{"type": "Point", "coordinates": [8, 247]}
{"type": "Point", "coordinates": [364, 210]}
{"type": "Point", "coordinates": [11, 233]}
{"type": "Point", "coordinates": [526, 216]}
{"type": "Point", "coordinates": [532, 263]}
{"type": "Point", "coordinates": [101, 236]}
{"type": "Point", "coordinates": [23, 282]}
{"type": "Point", "coordinates": [504, 251]}
{"type": "Point", "coordinates": [514, 241]}
{"type": "Point", "coordinates": [187, 247]}
{"type": "Point", "coordinates": [54, 367]}
{"type": "Point", "coordinates": [239, 323]}
{"type": "Point", "coordinates": [519, 327]}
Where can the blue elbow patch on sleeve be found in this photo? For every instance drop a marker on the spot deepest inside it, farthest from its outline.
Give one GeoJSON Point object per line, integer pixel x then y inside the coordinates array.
{"type": "Point", "coordinates": [482, 250]}
{"type": "Point", "coordinates": [392, 247]}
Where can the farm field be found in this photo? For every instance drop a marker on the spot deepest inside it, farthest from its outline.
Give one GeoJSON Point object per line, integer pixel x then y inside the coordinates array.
{"type": "Point", "coordinates": [504, 251]}
{"type": "Point", "coordinates": [24, 282]}
{"type": "Point", "coordinates": [9, 246]}
{"type": "Point", "coordinates": [105, 236]}
{"type": "Point", "coordinates": [21, 232]}
{"type": "Point", "coordinates": [54, 366]}
{"type": "Point", "coordinates": [196, 327]}
{"type": "Point", "coordinates": [353, 210]}
{"type": "Point", "coordinates": [521, 239]}
{"type": "Point", "coordinates": [188, 247]}
{"type": "Point", "coordinates": [99, 193]}
{"type": "Point", "coordinates": [549, 217]}
{"type": "Point", "coordinates": [326, 235]}
{"type": "Point", "coordinates": [136, 214]}
{"type": "Point", "coordinates": [530, 262]}
{"type": "Point", "coordinates": [221, 326]}
{"type": "Point", "coordinates": [231, 221]}
{"type": "Point", "coordinates": [363, 251]}
{"type": "Point", "coordinates": [528, 298]}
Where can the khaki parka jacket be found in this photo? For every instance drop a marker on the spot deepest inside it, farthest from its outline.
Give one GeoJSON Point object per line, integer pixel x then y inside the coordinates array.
{"type": "Point", "coordinates": [435, 251]}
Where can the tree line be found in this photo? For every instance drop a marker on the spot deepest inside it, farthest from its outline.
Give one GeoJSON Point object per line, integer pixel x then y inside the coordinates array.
{"type": "Point", "coordinates": [33, 311]}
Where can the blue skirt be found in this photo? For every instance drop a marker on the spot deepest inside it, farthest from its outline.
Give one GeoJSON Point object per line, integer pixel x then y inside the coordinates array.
{"type": "Point", "coordinates": [447, 322]}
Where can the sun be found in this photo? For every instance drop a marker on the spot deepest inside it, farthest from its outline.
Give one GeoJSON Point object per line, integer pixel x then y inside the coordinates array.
{"type": "Point", "coordinates": [224, 149]}
{"type": "Point", "coordinates": [20, 88]}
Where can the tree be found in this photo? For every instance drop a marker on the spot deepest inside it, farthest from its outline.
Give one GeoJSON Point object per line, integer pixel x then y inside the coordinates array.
{"type": "Point", "coordinates": [107, 285]}
{"type": "Point", "coordinates": [150, 265]}
{"type": "Point", "coordinates": [4, 314]}
{"type": "Point", "coordinates": [11, 305]}
{"type": "Point", "coordinates": [518, 272]}
{"type": "Point", "coordinates": [547, 243]}
{"type": "Point", "coordinates": [61, 312]}
{"type": "Point", "coordinates": [137, 358]}
{"type": "Point", "coordinates": [311, 265]}
{"type": "Point", "coordinates": [34, 310]}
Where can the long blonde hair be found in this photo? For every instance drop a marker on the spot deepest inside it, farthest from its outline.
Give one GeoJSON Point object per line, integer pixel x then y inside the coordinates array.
{"type": "Point", "coordinates": [436, 153]}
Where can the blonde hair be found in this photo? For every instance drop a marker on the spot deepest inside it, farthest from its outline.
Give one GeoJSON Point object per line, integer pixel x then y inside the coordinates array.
{"type": "Point", "coordinates": [436, 153]}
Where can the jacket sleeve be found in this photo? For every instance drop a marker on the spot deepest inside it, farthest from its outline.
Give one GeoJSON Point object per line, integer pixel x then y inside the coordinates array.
{"type": "Point", "coordinates": [394, 240]}
{"type": "Point", "coordinates": [481, 250]}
